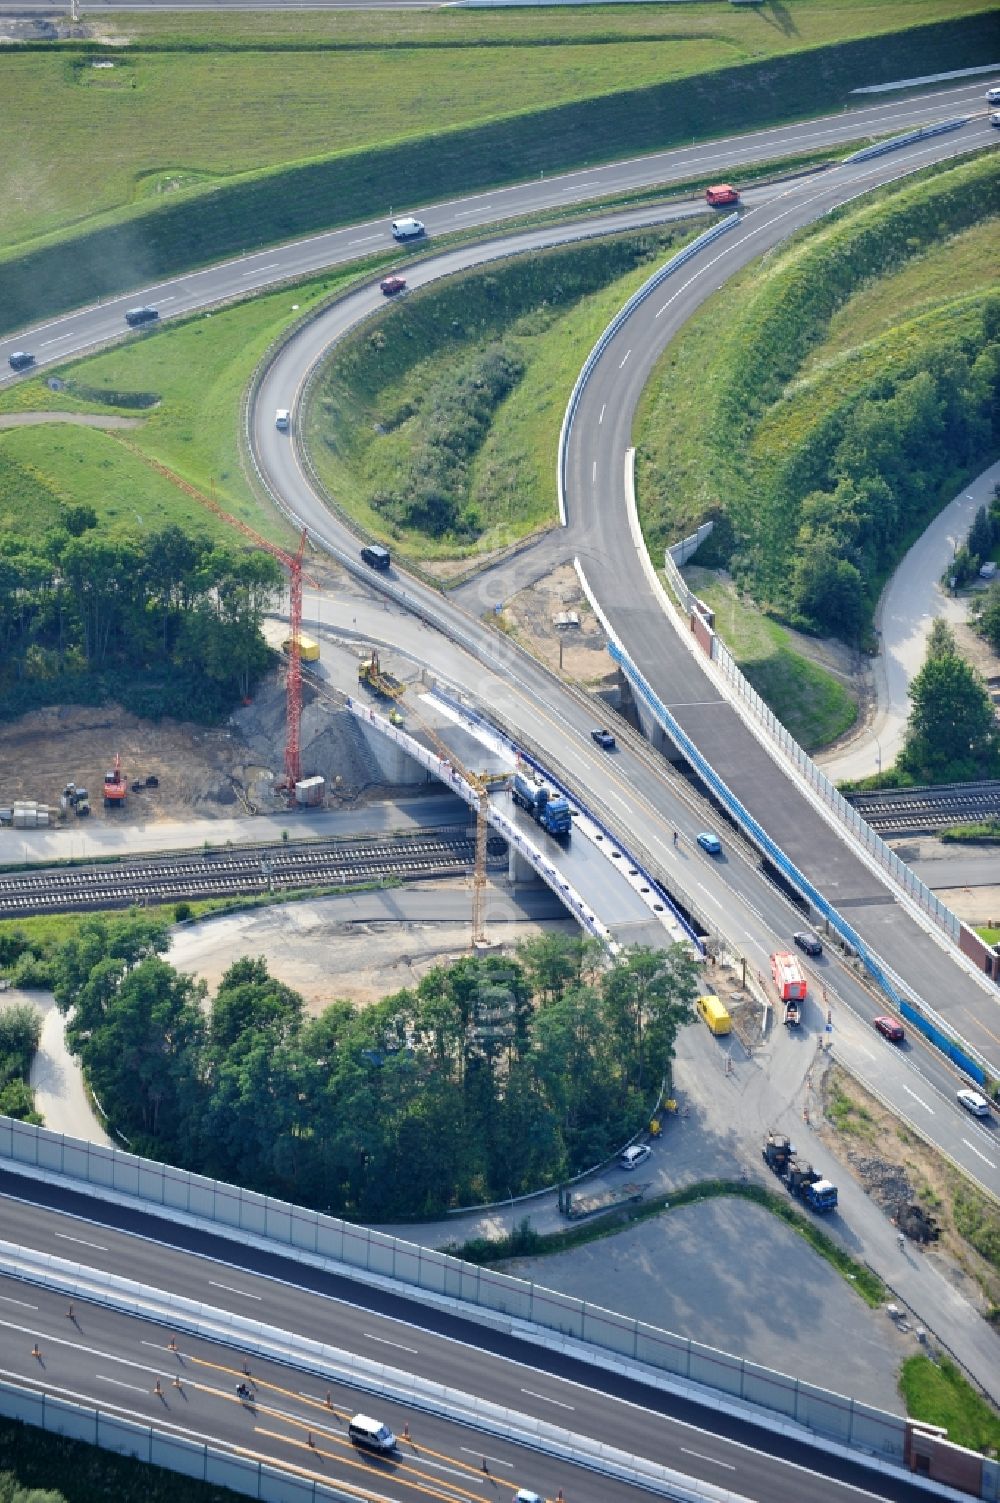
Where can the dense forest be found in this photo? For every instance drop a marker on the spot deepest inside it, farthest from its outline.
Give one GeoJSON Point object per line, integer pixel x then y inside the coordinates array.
{"type": "Point", "coordinates": [490, 1078]}
{"type": "Point", "coordinates": [164, 622]}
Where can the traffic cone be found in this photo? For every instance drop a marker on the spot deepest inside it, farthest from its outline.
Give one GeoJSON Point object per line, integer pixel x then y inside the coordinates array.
{"type": "Point", "coordinates": [172, 1343]}
{"type": "Point", "coordinates": [329, 1399]}
{"type": "Point", "coordinates": [177, 1380]}
{"type": "Point", "coordinates": [484, 1467]}
{"type": "Point", "coordinates": [158, 1391]}
{"type": "Point", "coordinates": [310, 1442]}
{"type": "Point", "coordinates": [406, 1431]}
{"type": "Point", "coordinates": [36, 1351]}
{"type": "Point", "coordinates": [69, 1312]}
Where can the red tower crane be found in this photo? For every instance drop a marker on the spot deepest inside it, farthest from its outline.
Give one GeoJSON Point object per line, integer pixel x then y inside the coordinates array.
{"type": "Point", "coordinates": [293, 563]}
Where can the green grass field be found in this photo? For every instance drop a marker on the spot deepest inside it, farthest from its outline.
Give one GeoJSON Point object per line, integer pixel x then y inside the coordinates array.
{"type": "Point", "coordinates": [475, 100]}
{"type": "Point", "coordinates": [811, 703]}
{"type": "Point", "coordinates": [152, 123]}
{"type": "Point", "coordinates": [198, 370]}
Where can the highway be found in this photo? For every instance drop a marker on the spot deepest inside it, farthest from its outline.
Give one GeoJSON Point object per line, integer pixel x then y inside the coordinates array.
{"type": "Point", "coordinates": [597, 506]}
{"type": "Point", "coordinates": [702, 1442]}
{"type": "Point", "coordinates": [58, 338]}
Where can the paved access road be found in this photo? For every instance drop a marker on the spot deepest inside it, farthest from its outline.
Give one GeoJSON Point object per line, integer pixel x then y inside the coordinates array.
{"type": "Point", "coordinates": [910, 602]}
{"type": "Point", "coordinates": [535, 1380]}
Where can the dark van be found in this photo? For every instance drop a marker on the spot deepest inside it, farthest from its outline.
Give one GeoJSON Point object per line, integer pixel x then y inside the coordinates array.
{"type": "Point", "coordinates": [135, 317]}
{"type": "Point", "coordinates": [375, 556]}
{"type": "Point", "coordinates": [370, 1434]}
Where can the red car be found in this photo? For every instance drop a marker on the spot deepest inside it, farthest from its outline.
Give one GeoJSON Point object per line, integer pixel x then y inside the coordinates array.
{"type": "Point", "coordinates": [391, 285]}
{"type": "Point", "coordinates": [890, 1029]}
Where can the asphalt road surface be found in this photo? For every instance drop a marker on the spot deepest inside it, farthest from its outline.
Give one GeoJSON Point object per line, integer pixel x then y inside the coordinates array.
{"type": "Point", "coordinates": [535, 1380]}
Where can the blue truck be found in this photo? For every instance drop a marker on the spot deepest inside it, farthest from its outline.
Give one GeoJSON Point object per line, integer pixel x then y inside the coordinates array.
{"type": "Point", "coordinates": [801, 1179]}
{"type": "Point", "coordinates": [546, 807]}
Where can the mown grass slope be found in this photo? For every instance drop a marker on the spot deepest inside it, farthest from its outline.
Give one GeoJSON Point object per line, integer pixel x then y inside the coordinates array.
{"type": "Point", "coordinates": [194, 374]}
{"type": "Point", "coordinates": [435, 425]}
{"type": "Point", "coordinates": [163, 175]}
{"type": "Point", "coordinates": [820, 461]}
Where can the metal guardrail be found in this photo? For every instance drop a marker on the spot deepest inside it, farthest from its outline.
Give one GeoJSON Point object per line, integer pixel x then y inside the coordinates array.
{"type": "Point", "coordinates": [922, 134]}
{"type": "Point", "coordinates": [609, 333]}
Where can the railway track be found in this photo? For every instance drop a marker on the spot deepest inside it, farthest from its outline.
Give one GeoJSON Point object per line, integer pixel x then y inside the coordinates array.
{"type": "Point", "coordinates": [921, 811]}
{"type": "Point", "coordinates": [240, 872]}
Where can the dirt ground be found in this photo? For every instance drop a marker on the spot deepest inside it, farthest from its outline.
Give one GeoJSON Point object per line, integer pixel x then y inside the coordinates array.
{"type": "Point", "coordinates": [43, 751]}
{"type": "Point", "coordinates": [578, 650]}
{"type": "Point", "coordinates": [354, 948]}
{"type": "Point", "coordinates": [892, 1164]}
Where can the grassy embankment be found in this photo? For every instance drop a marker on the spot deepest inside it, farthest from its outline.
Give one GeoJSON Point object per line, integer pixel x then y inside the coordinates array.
{"type": "Point", "coordinates": [589, 87]}
{"type": "Point", "coordinates": [937, 1393]}
{"type": "Point", "coordinates": [403, 398]}
{"type": "Point", "coordinates": [701, 453]}
{"type": "Point", "coordinates": [197, 371]}
{"type": "Point", "coordinates": [814, 705]}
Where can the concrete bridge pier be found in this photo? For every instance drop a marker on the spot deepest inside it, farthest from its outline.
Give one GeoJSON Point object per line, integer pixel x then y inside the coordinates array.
{"type": "Point", "coordinates": [519, 868]}
{"type": "Point", "coordinates": [395, 766]}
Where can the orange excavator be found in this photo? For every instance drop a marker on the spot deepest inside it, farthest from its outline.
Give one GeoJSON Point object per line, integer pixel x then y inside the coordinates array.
{"type": "Point", "coordinates": [115, 786]}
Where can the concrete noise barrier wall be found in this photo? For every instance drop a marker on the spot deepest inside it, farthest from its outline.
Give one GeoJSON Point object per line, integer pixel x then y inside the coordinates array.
{"type": "Point", "coordinates": [373, 1256]}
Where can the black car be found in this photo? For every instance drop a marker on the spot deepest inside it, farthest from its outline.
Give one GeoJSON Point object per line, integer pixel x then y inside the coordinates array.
{"type": "Point", "coordinates": [135, 317]}
{"type": "Point", "coordinates": [20, 360]}
{"type": "Point", "coordinates": [809, 942]}
{"type": "Point", "coordinates": [603, 738]}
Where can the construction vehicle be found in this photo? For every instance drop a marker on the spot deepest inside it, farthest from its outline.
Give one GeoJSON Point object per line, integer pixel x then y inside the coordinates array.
{"type": "Point", "coordinates": [373, 677]}
{"type": "Point", "coordinates": [76, 799]}
{"type": "Point", "coordinates": [115, 786]}
{"type": "Point", "coordinates": [547, 808]}
{"type": "Point", "coordinates": [800, 1178]}
{"type": "Point", "coordinates": [721, 194]}
{"type": "Point", "coordinates": [308, 648]}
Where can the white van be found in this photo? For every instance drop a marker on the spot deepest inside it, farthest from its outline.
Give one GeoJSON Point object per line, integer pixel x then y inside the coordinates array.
{"type": "Point", "coordinates": [993, 98]}
{"type": "Point", "coordinates": [370, 1434]}
{"type": "Point", "coordinates": [283, 419]}
{"type": "Point", "coordinates": [407, 229]}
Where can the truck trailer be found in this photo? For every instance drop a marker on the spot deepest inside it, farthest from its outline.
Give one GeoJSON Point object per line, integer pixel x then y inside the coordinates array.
{"type": "Point", "coordinates": [800, 1178]}
{"type": "Point", "coordinates": [546, 807]}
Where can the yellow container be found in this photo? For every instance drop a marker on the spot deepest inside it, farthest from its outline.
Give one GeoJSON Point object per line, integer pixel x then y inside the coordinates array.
{"type": "Point", "coordinates": [308, 648]}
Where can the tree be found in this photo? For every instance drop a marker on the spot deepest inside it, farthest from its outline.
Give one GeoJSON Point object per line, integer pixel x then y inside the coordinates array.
{"type": "Point", "coordinates": [986, 614]}
{"type": "Point", "coordinates": [952, 733]}
{"type": "Point", "coordinates": [143, 1056]}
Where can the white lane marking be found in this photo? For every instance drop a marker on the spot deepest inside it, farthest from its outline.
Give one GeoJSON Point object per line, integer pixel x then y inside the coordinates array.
{"type": "Point", "coordinates": [593, 477]}
{"type": "Point", "coordinates": [546, 1400]}
{"type": "Point", "coordinates": [397, 1344]}
{"type": "Point", "coordinates": [917, 1098]}
{"type": "Point", "coordinates": [601, 418]}
{"type": "Point", "coordinates": [46, 342]}
{"type": "Point", "coordinates": [610, 793]}
{"type": "Point", "coordinates": [627, 354]}
{"type": "Point", "coordinates": [171, 299]}
{"type": "Point", "coordinates": [978, 1154]}
{"type": "Point", "coordinates": [866, 1051]}
{"type": "Point", "coordinates": [467, 212]}
{"type": "Point", "coordinates": [118, 1383]}
{"type": "Point", "coordinates": [258, 269]}
{"type": "Point", "coordinates": [495, 1460]}
{"type": "Point", "coordinates": [158, 1346]}
{"type": "Point", "coordinates": [22, 1302]}
{"type": "Point", "coordinates": [713, 1459]}
{"type": "Point", "coordinates": [230, 1290]}
{"type": "Point", "coordinates": [65, 1237]}
{"type": "Point", "coordinates": [364, 240]}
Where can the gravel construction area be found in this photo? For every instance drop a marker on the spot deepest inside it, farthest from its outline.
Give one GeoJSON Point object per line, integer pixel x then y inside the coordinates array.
{"type": "Point", "coordinates": [729, 1275]}
{"type": "Point", "coordinates": [358, 947]}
